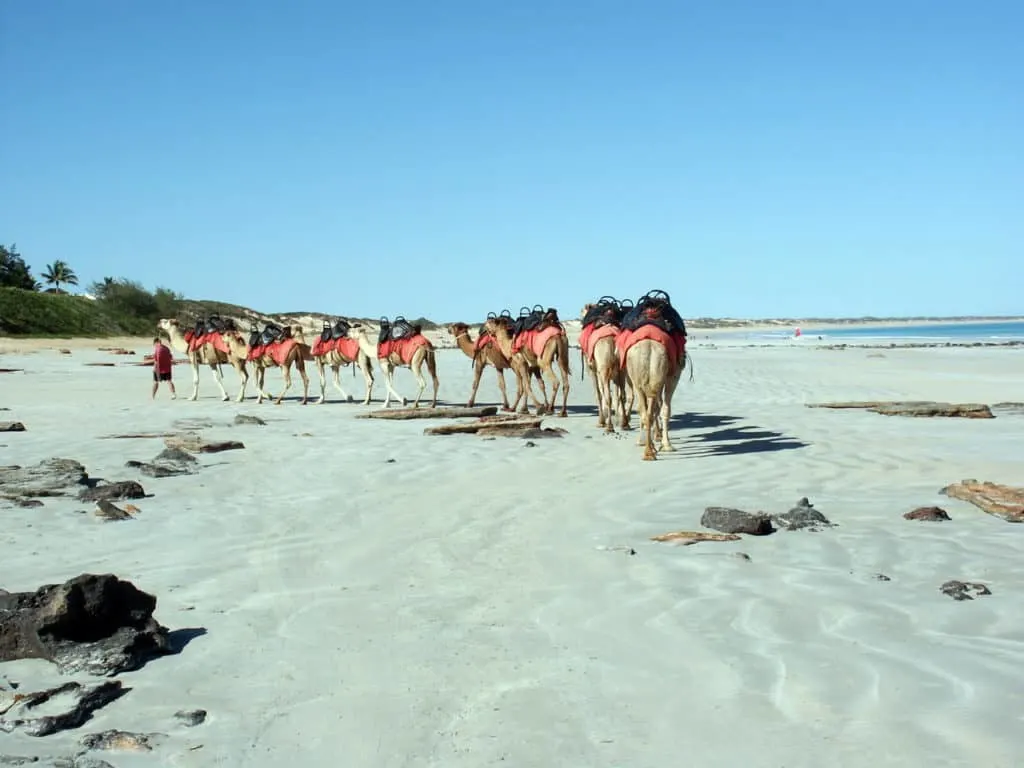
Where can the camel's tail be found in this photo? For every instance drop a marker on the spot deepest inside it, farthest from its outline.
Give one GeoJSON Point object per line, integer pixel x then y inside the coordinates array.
{"type": "Point", "coordinates": [688, 363]}
{"type": "Point", "coordinates": [583, 364]}
{"type": "Point", "coordinates": [562, 353]}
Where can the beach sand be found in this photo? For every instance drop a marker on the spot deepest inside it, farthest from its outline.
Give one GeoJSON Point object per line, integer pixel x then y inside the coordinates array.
{"type": "Point", "coordinates": [375, 597]}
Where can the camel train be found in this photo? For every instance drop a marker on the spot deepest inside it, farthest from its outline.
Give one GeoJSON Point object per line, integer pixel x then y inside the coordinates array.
{"type": "Point", "coordinates": [634, 353]}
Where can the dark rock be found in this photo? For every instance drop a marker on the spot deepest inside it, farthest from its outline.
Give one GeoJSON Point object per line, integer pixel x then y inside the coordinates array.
{"type": "Point", "coordinates": [191, 717]}
{"type": "Point", "coordinates": [97, 624]}
{"type": "Point", "coordinates": [529, 444]}
{"type": "Point", "coordinates": [19, 501]}
{"type": "Point", "coordinates": [153, 469]}
{"type": "Point", "coordinates": [881, 577]}
{"type": "Point", "coordinates": [52, 477]}
{"type": "Point", "coordinates": [224, 445]}
{"type": "Point", "coordinates": [74, 704]}
{"type": "Point", "coordinates": [927, 513]}
{"type": "Point", "coordinates": [110, 511]}
{"type": "Point", "coordinates": [803, 515]}
{"type": "Point", "coordinates": [11, 426]}
{"type": "Point", "coordinates": [122, 489]}
{"type": "Point", "coordinates": [243, 418]}
{"type": "Point", "coordinates": [122, 741]}
{"type": "Point", "coordinates": [175, 455]}
{"type": "Point", "coordinates": [729, 520]}
{"type": "Point", "coordinates": [961, 590]}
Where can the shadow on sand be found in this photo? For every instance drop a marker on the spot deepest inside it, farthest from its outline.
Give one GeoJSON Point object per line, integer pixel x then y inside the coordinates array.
{"type": "Point", "coordinates": [721, 439]}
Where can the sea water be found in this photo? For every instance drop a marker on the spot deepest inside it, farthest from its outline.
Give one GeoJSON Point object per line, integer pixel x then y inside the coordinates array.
{"type": "Point", "coordinates": [904, 333]}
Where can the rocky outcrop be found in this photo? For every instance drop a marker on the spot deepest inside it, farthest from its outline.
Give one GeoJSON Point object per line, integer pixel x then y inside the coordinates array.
{"type": "Point", "coordinates": [52, 477]}
{"type": "Point", "coordinates": [1002, 501]}
{"type": "Point", "coordinates": [68, 706]}
{"type": "Point", "coordinates": [927, 513]}
{"type": "Point", "coordinates": [97, 624]}
{"type": "Point", "coordinates": [730, 520]}
{"type": "Point", "coordinates": [918, 408]}
{"type": "Point", "coordinates": [122, 489]}
{"type": "Point", "coordinates": [962, 590]}
{"type": "Point", "coordinates": [803, 515]}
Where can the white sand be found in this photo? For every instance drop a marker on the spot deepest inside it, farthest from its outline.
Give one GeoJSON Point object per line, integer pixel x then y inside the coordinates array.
{"type": "Point", "coordinates": [466, 605]}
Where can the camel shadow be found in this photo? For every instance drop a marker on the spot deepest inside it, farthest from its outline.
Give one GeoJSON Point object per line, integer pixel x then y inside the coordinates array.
{"type": "Point", "coordinates": [725, 440]}
{"type": "Point", "coordinates": [177, 639]}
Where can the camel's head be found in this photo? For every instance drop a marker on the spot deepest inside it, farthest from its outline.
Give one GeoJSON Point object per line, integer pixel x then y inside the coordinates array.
{"type": "Point", "coordinates": [457, 329]}
{"type": "Point", "coordinates": [167, 324]}
{"type": "Point", "coordinates": [357, 329]}
{"type": "Point", "coordinates": [586, 309]}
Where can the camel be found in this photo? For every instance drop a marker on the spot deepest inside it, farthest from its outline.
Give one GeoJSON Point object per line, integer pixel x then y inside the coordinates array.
{"type": "Point", "coordinates": [490, 354]}
{"type": "Point", "coordinates": [421, 351]}
{"type": "Point", "coordinates": [336, 356]}
{"type": "Point", "coordinates": [556, 347]}
{"type": "Point", "coordinates": [606, 370]}
{"type": "Point", "coordinates": [207, 354]}
{"type": "Point", "coordinates": [296, 353]}
{"type": "Point", "coordinates": [654, 379]}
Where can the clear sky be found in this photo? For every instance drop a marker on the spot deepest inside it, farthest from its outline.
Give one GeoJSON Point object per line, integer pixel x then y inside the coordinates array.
{"type": "Point", "coordinates": [454, 157]}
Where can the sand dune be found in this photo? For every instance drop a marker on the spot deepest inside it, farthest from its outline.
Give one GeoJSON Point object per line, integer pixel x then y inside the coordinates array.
{"type": "Point", "coordinates": [474, 601]}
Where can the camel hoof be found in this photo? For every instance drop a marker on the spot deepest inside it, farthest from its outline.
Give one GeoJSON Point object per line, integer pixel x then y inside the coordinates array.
{"type": "Point", "coordinates": [563, 415]}
{"type": "Point", "coordinates": [650, 456]}
{"type": "Point", "coordinates": [350, 399]}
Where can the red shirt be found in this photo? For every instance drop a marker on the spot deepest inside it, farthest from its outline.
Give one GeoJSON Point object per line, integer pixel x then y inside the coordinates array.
{"type": "Point", "coordinates": [162, 359]}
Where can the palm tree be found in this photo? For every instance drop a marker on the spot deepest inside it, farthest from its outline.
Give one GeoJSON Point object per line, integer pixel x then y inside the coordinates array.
{"type": "Point", "coordinates": [59, 272]}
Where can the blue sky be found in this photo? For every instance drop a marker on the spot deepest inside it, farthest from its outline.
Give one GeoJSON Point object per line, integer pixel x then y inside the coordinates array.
{"type": "Point", "coordinates": [452, 158]}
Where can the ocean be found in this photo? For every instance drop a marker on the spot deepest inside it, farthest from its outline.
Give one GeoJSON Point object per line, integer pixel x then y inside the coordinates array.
{"type": "Point", "coordinates": [995, 332]}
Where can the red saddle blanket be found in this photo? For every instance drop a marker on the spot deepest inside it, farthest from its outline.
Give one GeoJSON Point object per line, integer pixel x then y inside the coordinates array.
{"type": "Point", "coordinates": [347, 348]}
{"type": "Point", "coordinates": [590, 335]}
{"type": "Point", "coordinates": [195, 342]}
{"type": "Point", "coordinates": [675, 344]}
{"type": "Point", "coordinates": [482, 341]}
{"type": "Point", "coordinates": [535, 341]}
{"type": "Point", "coordinates": [405, 348]}
{"type": "Point", "coordinates": [278, 350]}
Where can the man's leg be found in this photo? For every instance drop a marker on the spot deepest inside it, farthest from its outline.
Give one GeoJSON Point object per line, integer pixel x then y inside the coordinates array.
{"type": "Point", "coordinates": [170, 383]}
{"type": "Point", "coordinates": [156, 385]}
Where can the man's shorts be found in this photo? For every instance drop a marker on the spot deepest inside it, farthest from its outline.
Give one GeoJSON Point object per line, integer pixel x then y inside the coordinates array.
{"type": "Point", "coordinates": [161, 376]}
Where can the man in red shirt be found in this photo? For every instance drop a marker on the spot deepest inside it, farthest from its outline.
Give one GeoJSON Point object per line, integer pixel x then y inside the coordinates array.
{"type": "Point", "coordinates": [163, 362]}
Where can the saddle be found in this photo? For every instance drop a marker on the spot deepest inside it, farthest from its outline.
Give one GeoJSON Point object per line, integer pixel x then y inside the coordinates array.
{"type": "Point", "coordinates": [534, 319]}
{"type": "Point", "coordinates": [397, 330]}
{"type": "Point", "coordinates": [607, 311]}
{"type": "Point", "coordinates": [271, 332]}
{"type": "Point", "coordinates": [334, 332]}
{"type": "Point", "coordinates": [212, 324]}
{"type": "Point", "coordinates": [654, 308]}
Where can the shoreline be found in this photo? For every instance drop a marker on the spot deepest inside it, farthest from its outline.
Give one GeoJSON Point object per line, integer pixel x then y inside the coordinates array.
{"type": "Point", "coordinates": [28, 344]}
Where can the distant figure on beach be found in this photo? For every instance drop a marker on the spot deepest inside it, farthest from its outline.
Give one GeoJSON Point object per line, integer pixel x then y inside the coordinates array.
{"type": "Point", "coordinates": [163, 363]}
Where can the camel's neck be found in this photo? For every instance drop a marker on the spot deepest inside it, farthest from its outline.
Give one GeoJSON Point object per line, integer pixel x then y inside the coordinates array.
{"type": "Point", "coordinates": [504, 341]}
{"type": "Point", "coordinates": [466, 344]}
{"type": "Point", "coordinates": [177, 340]}
{"type": "Point", "coordinates": [366, 345]}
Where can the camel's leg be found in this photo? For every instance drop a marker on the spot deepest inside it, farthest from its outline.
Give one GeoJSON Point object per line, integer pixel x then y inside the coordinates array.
{"type": "Point", "coordinates": [301, 366]}
{"type": "Point", "coordinates": [641, 405]}
{"type": "Point", "coordinates": [653, 413]}
{"type": "Point", "coordinates": [416, 366]}
{"type": "Point", "coordinates": [218, 378]}
{"type": "Point", "coordinates": [606, 400]}
{"type": "Point", "coordinates": [321, 368]}
{"type": "Point", "coordinates": [666, 409]}
{"type": "Point", "coordinates": [286, 369]}
{"type": "Point", "coordinates": [597, 394]}
{"type": "Point", "coordinates": [501, 386]}
{"type": "Point", "coordinates": [432, 370]}
{"type": "Point", "coordinates": [366, 365]}
{"type": "Point", "coordinates": [261, 373]}
{"type": "Point", "coordinates": [243, 374]}
{"type": "Point", "coordinates": [478, 371]}
{"type": "Point", "coordinates": [336, 378]}
{"type": "Point", "coordinates": [620, 389]}
{"type": "Point", "coordinates": [389, 382]}
{"type": "Point", "coordinates": [548, 372]}
{"type": "Point", "coordinates": [563, 370]}
{"type": "Point", "coordinates": [193, 360]}
{"type": "Point", "coordinates": [517, 369]}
